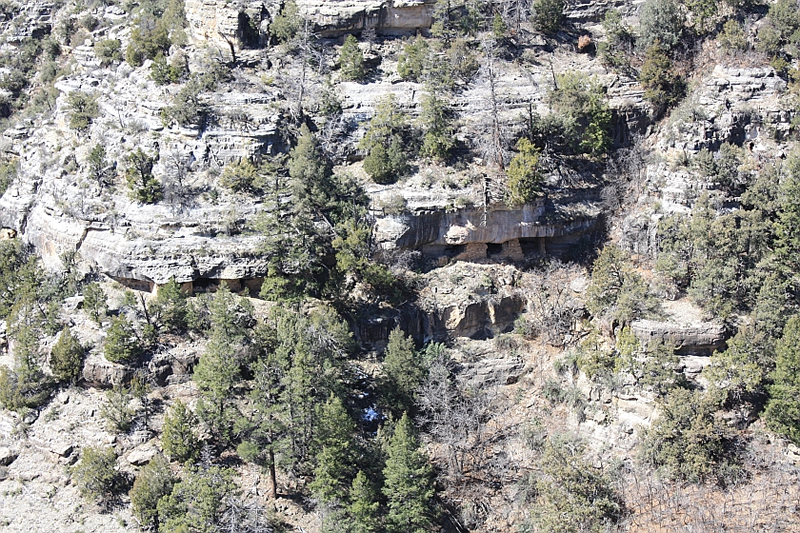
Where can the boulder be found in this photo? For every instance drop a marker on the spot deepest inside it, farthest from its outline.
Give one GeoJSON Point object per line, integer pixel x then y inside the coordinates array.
{"type": "Point", "coordinates": [7, 456]}
{"type": "Point", "coordinates": [141, 455]}
{"type": "Point", "coordinates": [99, 372]}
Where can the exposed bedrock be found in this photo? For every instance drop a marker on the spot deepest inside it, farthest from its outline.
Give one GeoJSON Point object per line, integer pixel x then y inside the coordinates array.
{"type": "Point", "coordinates": [234, 25]}
{"type": "Point", "coordinates": [692, 339]}
{"type": "Point", "coordinates": [441, 232]}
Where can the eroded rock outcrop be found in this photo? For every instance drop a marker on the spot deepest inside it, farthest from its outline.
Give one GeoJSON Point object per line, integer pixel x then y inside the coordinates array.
{"type": "Point", "coordinates": [700, 338]}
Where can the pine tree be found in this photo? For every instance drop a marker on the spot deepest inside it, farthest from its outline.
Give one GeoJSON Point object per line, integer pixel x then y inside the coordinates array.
{"type": "Point", "coordinates": [617, 290]}
{"type": "Point", "coordinates": [363, 508]}
{"type": "Point", "coordinates": [436, 118]}
{"type": "Point", "coordinates": [96, 475]}
{"type": "Point", "coordinates": [408, 484]}
{"type": "Point", "coordinates": [403, 369]}
{"type": "Point", "coordinates": [198, 502]}
{"type": "Point", "coordinates": [787, 228]}
{"type": "Point", "coordinates": [145, 188]}
{"type": "Point", "coordinates": [177, 437]}
{"type": "Point", "coordinates": [122, 345]}
{"type": "Point", "coordinates": [266, 429]}
{"type": "Point", "coordinates": [335, 455]}
{"type": "Point", "coordinates": [524, 179]}
{"type": "Point", "coordinates": [218, 371]}
{"type": "Point", "coordinates": [169, 309]}
{"type": "Point", "coordinates": [782, 413]}
{"type": "Point", "coordinates": [94, 301]}
{"type": "Point", "coordinates": [351, 60]}
{"type": "Point", "coordinates": [153, 481]}
{"type": "Point", "coordinates": [216, 375]}
{"type": "Point", "coordinates": [66, 360]}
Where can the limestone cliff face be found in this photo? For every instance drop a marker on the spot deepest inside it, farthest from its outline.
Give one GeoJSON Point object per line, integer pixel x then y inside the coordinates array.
{"type": "Point", "coordinates": [392, 17]}
{"type": "Point", "coordinates": [225, 24]}
{"type": "Point", "coordinates": [439, 229]}
{"type": "Point", "coordinates": [742, 106]}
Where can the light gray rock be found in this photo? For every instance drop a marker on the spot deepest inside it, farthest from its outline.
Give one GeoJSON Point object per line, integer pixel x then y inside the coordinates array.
{"type": "Point", "coordinates": [7, 455]}
{"type": "Point", "coordinates": [61, 449]}
{"type": "Point", "coordinates": [99, 372]}
{"type": "Point", "coordinates": [694, 339]}
{"type": "Point", "coordinates": [142, 455]}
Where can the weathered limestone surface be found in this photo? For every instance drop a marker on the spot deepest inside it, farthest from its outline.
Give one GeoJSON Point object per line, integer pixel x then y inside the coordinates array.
{"type": "Point", "coordinates": [465, 227]}
{"type": "Point", "coordinates": [701, 338]}
{"type": "Point", "coordinates": [392, 17]}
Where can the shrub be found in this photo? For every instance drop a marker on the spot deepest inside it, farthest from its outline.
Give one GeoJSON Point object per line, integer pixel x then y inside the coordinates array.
{"type": "Point", "coordinates": [573, 495]}
{"type": "Point", "coordinates": [286, 24]}
{"type": "Point", "coordinates": [662, 86]}
{"type": "Point", "coordinates": [198, 501]}
{"type": "Point", "coordinates": [8, 172]}
{"type": "Point", "coordinates": [581, 103]}
{"type": "Point", "coordinates": [383, 165]}
{"type": "Point", "coordinates": [18, 393]}
{"type": "Point", "coordinates": [164, 73]}
{"type": "Point", "coordinates": [144, 187]}
{"type": "Point", "coordinates": [732, 37]}
{"type": "Point", "coordinates": [689, 441]}
{"type": "Point", "coordinates": [96, 476]}
{"type": "Point", "coordinates": [782, 413]}
{"type": "Point", "coordinates": [523, 178]}
{"type": "Point", "coordinates": [412, 62]}
{"type": "Point", "coordinates": [351, 60]}
{"type": "Point", "coordinates": [768, 40]}
{"type": "Point", "coordinates": [785, 18]}
{"type": "Point", "coordinates": [549, 14]}
{"type": "Point", "coordinates": [187, 109]}
{"type": "Point", "coordinates": [178, 438]}
{"type": "Point", "coordinates": [122, 345]}
{"type": "Point", "coordinates": [83, 109]}
{"type": "Point", "coordinates": [94, 301]}
{"type": "Point", "coordinates": [242, 176]}
{"type": "Point", "coordinates": [66, 360]}
{"type": "Point", "coordinates": [662, 24]}
{"type": "Point", "coordinates": [154, 481]}
{"type": "Point", "coordinates": [619, 44]}
{"type": "Point", "coordinates": [616, 289]}
{"type": "Point", "coordinates": [108, 51]}
{"type": "Point", "coordinates": [117, 410]}
{"type": "Point", "coordinates": [148, 38]}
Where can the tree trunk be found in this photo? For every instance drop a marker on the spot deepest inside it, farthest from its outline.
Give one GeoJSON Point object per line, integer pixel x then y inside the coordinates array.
{"type": "Point", "coordinates": [273, 488]}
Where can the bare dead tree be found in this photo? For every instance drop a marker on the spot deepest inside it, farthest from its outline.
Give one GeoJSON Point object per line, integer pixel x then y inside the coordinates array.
{"type": "Point", "coordinates": [494, 144]}
{"type": "Point", "coordinates": [552, 308]}
{"type": "Point", "coordinates": [177, 190]}
{"type": "Point", "coordinates": [455, 418]}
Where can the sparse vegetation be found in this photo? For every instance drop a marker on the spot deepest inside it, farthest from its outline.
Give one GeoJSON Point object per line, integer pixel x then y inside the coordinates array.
{"type": "Point", "coordinates": [96, 474]}
{"type": "Point", "coordinates": [311, 222]}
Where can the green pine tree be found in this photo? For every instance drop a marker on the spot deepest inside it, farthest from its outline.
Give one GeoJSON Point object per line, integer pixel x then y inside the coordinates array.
{"type": "Point", "coordinates": [403, 369]}
{"type": "Point", "coordinates": [351, 60]}
{"type": "Point", "coordinates": [153, 481]}
{"type": "Point", "coordinates": [782, 413]}
{"type": "Point", "coordinates": [336, 452]}
{"type": "Point", "coordinates": [178, 438]}
{"type": "Point", "coordinates": [169, 309]}
{"type": "Point", "coordinates": [524, 179]}
{"type": "Point", "coordinates": [122, 344]}
{"type": "Point", "coordinates": [94, 301]}
{"type": "Point", "coordinates": [364, 507]}
{"type": "Point", "coordinates": [66, 360]}
{"type": "Point", "coordinates": [408, 485]}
